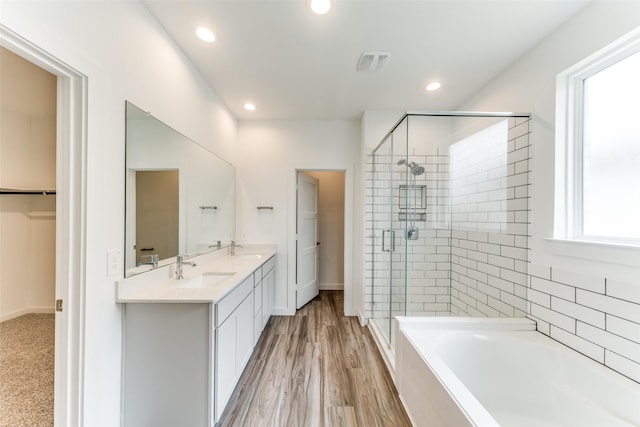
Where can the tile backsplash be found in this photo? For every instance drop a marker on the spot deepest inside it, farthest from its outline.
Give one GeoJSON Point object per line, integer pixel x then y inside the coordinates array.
{"type": "Point", "coordinates": [595, 316]}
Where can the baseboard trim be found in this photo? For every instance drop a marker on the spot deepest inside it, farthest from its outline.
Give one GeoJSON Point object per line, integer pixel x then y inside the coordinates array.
{"type": "Point", "coordinates": [29, 310]}
{"type": "Point", "coordinates": [331, 286]}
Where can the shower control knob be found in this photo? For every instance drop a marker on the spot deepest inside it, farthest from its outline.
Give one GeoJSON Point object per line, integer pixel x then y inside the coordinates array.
{"type": "Point", "coordinates": [412, 233]}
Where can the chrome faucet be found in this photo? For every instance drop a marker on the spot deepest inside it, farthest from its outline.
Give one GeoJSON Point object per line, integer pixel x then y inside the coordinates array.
{"type": "Point", "coordinates": [232, 248]}
{"type": "Point", "coordinates": [218, 245]}
{"type": "Point", "coordinates": [153, 260]}
{"type": "Point", "coordinates": [180, 262]}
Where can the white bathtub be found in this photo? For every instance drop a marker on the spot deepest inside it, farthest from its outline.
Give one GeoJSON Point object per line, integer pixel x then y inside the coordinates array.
{"type": "Point", "coordinates": [459, 372]}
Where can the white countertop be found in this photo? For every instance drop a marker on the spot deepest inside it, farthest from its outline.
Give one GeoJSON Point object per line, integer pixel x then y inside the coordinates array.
{"type": "Point", "coordinates": [160, 285]}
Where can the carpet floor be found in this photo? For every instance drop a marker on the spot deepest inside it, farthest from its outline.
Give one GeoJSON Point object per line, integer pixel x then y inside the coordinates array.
{"type": "Point", "coordinates": [26, 371]}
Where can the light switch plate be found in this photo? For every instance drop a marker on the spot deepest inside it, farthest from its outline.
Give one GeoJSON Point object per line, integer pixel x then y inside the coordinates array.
{"type": "Point", "coordinates": [114, 262]}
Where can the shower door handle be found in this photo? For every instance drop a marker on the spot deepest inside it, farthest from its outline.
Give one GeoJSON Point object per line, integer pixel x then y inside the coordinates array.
{"type": "Point", "coordinates": [392, 237]}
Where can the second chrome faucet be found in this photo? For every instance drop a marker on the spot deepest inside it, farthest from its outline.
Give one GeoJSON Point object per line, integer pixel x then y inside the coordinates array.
{"type": "Point", "coordinates": [180, 263]}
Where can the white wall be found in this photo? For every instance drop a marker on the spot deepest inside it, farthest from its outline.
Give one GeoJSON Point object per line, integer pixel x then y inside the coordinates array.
{"type": "Point", "coordinates": [269, 153]}
{"type": "Point", "coordinates": [589, 303]}
{"type": "Point", "coordinates": [125, 55]}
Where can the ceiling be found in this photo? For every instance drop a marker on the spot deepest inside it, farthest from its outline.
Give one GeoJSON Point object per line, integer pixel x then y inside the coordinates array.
{"type": "Point", "coordinates": [294, 64]}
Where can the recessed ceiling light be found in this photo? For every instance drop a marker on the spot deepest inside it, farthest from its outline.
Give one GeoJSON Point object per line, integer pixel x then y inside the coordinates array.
{"type": "Point", "coordinates": [249, 106]}
{"type": "Point", "coordinates": [205, 34]}
{"type": "Point", "coordinates": [320, 7]}
{"type": "Point", "coordinates": [433, 86]}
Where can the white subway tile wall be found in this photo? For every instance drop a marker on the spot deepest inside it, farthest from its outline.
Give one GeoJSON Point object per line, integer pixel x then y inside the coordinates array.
{"type": "Point", "coordinates": [471, 258]}
{"type": "Point", "coordinates": [490, 179]}
{"type": "Point", "coordinates": [472, 251]}
{"type": "Point", "coordinates": [597, 317]}
{"type": "Point", "coordinates": [424, 262]}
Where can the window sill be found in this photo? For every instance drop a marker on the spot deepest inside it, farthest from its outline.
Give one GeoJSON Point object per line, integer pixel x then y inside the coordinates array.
{"type": "Point", "coordinates": [614, 253]}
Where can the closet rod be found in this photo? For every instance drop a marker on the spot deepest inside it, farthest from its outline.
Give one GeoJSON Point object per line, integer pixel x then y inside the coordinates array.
{"type": "Point", "coordinates": [13, 191]}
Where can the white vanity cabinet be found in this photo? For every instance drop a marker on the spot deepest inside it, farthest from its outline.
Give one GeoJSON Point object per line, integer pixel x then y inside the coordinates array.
{"type": "Point", "coordinates": [184, 357]}
{"type": "Point", "coordinates": [234, 340]}
{"type": "Point", "coordinates": [167, 365]}
{"type": "Point", "coordinates": [258, 291]}
{"type": "Point", "coordinates": [263, 294]}
{"type": "Point", "coordinates": [268, 289]}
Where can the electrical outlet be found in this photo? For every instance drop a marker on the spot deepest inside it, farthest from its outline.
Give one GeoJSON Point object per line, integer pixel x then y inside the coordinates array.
{"type": "Point", "coordinates": [114, 262]}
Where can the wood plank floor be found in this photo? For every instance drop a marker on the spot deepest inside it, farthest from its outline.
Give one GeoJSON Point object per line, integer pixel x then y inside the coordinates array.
{"type": "Point", "coordinates": [317, 368]}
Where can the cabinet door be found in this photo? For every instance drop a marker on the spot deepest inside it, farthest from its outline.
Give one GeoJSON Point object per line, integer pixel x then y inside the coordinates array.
{"type": "Point", "coordinates": [257, 327]}
{"type": "Point", "coordinates": [268, 295]}
{"type": "Point", "coordinates": [234, 345]}
{"type": "Point", "coordinates": [166, 365]}
{"type": "Point", "coordinates": [225, 363]}
{"type": "Point", "coordinates": [244, 334]}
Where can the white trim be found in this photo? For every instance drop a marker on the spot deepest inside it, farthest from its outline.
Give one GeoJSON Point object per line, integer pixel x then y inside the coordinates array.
{"type": "Point", "coordinates": [28, 310]}
{"type": "Point", "coordinates": [611, 253]}
{"type": "Point", "coordinates": [349, 236]}
{"type": "Point", "coordinates": [568, 218]}
{"type": "Point", "coordinates": [70, 225]}
{"type": "Point", "coordinates": [331, 286]}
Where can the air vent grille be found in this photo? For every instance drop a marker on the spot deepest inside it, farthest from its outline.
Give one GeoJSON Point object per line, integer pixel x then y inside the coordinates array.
{"type": "Point", "coordinates": [373, 61]}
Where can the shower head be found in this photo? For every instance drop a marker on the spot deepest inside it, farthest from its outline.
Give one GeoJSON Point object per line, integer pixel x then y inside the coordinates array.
{"type": "Point", "coordinates": [414, 167]}
{"type": "Point", "coordinates": [417, 169]}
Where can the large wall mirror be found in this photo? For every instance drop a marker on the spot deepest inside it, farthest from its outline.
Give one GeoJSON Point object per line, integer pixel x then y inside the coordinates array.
{"type": "Point", "coordinates": [180, 198]}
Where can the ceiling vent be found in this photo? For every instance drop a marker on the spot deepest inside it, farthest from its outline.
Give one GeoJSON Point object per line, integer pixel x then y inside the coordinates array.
{"type": "Point", "coordinates": [373, 61]}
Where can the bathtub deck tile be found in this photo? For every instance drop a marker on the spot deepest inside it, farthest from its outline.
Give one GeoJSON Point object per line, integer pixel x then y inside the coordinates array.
{"type": "Point", "coordinates": [577, 311]}
{"type": "Point", "coordinates": [579, 280]}
{"type": "Point", "coordinates": [554, 318]}
{"type": "Point", "coordinates": [580, 345]}
{"type": "Point", "coordinates": [623, 365]}
{"type": "Point", "coordinates": [615, 343]}
{"type": "Point", "coordinates": [624, 328]}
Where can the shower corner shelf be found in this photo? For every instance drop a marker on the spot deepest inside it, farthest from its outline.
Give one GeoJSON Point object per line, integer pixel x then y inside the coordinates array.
{"type": "Point", "coordinates": [412, 216]}
{"type": "Point", "coordinates": [412, 203]}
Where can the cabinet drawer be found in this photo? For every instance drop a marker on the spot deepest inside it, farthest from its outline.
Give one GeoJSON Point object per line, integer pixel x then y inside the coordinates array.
{"type": "Point", "coordinates": [268, 266]}
{"type": "Point", "coordinates": [230, 301]}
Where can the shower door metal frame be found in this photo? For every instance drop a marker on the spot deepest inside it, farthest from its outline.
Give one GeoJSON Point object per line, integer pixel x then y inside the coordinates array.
{"type": "Point", "coordinates": [388, 235]}
{"type": "Point", "coordinates": [389, 231]}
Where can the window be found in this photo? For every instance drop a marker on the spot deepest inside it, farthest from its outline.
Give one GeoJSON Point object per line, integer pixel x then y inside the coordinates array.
{"type": "Point", "coordinates": [598, 147]}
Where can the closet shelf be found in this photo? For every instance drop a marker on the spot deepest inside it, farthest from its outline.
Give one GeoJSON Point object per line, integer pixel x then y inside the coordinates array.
{"type": "Point", "coordinates": [19, 191]}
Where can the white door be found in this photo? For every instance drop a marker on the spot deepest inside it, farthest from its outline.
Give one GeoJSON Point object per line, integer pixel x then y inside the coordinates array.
{"type": "Point", "coordinates": [307, 239]}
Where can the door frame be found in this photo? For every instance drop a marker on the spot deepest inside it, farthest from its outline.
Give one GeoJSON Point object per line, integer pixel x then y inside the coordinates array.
{"type": "Point", "coordinates": [71, 183]}
{"type": "Point", "coordinates": [349, 232]}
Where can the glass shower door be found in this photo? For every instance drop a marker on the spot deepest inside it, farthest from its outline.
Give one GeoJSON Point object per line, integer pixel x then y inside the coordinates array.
{"type": "Point", "coordinates": [398, 225]}
{"type": "Point", "coordinates": [389, 248]}
{"type": "Point", "coordinates": [383, 240]}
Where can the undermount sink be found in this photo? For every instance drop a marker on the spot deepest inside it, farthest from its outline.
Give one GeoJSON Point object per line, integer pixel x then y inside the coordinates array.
{"type": "Point", "coordinates": [244, 256]}
{"type": "Point", "coordinates": [206, 280]}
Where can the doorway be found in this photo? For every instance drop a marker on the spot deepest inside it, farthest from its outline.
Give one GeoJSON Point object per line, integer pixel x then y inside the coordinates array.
{"type": "Point", "coordinates": [70, 218]}
{"type": "Point", "coordinates": [157, 211]}
{"type": "Point", "coordinates": [329, 247]}
{"type": "Point", "coordinates": [27, 233]}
